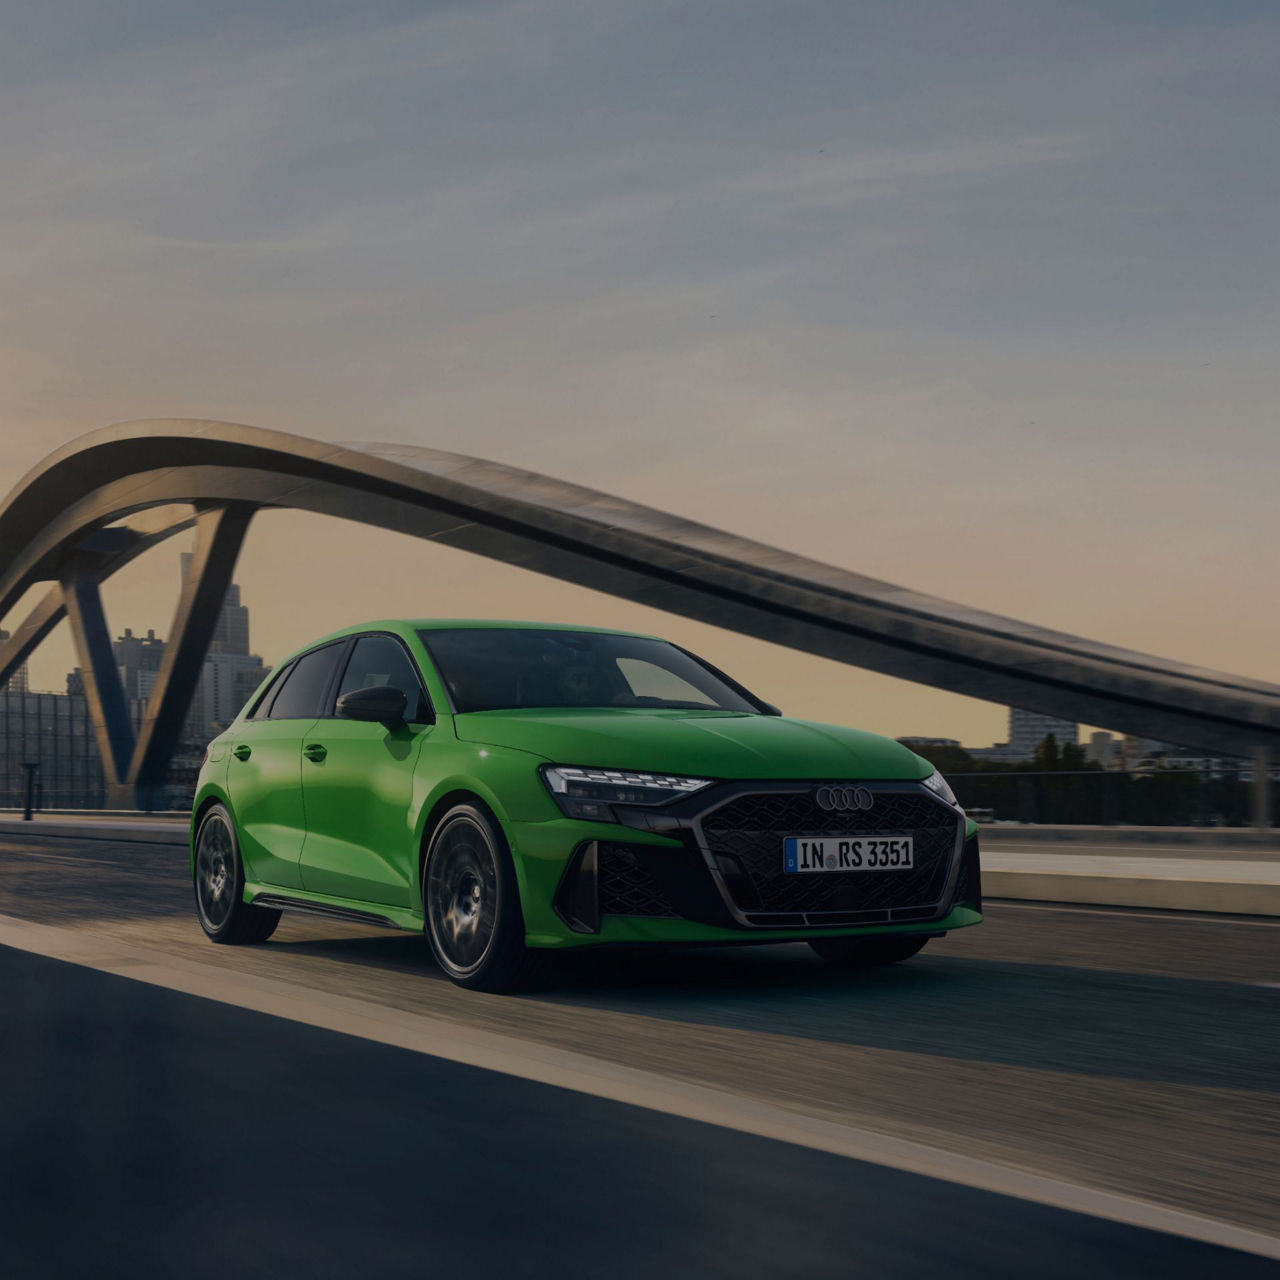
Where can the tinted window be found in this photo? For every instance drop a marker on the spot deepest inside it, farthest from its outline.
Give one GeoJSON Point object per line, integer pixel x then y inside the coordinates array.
{"type": "Point", "coordinates": [498, 668]}
{"type": "Point", "coordinates": [302, 693]}
{"type": "Point", "coordinates": [259, 709]}
{"type": "Point", "coordinates": [382, 660]}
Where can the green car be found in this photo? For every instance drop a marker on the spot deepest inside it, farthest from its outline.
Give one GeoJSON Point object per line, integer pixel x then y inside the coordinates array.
{"type": "Point", "coordinates": [514, 789]}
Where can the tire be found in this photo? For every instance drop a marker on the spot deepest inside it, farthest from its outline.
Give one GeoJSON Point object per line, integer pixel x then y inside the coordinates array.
{"type": "Point", "coordinates": [218, 874]}
{"type": "Point", "coordinates": [867, 953]}
{"type": "Point", "coordinates": [471, 905]}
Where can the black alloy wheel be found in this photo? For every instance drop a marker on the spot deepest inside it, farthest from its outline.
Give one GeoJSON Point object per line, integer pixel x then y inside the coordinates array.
{"type": "Point", "coordinates": [219, 884]}
{"type": "Point", "coordinates": [471, 904]}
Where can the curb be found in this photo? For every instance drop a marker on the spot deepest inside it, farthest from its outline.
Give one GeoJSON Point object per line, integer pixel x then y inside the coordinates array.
{"type": "Point", "coordinates": [994, 834]}
{"type": "Point", "coordinates": [140, 831]}
{"type": "Point", "coordinates": [1223, 897]}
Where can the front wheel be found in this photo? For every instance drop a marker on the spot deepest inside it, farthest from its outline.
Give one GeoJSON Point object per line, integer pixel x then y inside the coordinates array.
{"type": "Point", "coordinates": [219, 881]}
{"type": "Point", "coordinates": [866, 953]}
{"type": "Point", "coordinates": [471, 905]}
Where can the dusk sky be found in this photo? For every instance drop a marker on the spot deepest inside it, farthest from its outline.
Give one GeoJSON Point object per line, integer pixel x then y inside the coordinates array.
{"type": "Point", "coordinates": [980, 298]}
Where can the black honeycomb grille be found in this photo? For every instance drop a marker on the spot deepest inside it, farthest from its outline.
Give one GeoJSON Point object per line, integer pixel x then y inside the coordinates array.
{"type": "Point", "coordinates": [750, 829]}
{"type": "Point", "coordinates": [626, 888]}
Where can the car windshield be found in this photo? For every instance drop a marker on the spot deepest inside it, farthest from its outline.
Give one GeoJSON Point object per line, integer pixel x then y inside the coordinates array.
{"type": "Point", "coordinates": [497, 669]}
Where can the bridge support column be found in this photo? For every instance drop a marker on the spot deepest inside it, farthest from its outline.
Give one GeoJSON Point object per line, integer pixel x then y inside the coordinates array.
{"type": "Point", "coordinates": [1261, 788]}
{"type": "Point", "coordinates": [103, 689]}
{"type": "Point", "coordinates": [219, 535]}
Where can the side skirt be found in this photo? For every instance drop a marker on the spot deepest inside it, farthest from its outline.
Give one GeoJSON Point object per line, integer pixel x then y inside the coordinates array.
{"type": "Point", "coordinates": [400, 919]}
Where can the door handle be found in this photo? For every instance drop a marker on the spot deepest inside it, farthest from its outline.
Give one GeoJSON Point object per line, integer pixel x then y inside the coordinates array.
{"type": "Point", "coordinates": [314, 751]}
{"type": "Point", "coordinates": [242, 751]}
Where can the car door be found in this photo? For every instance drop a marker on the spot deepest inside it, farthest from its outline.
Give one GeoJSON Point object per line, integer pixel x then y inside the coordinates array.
{"type": "Point", "coordinates": [264, 773]}
{"type": "Point", "coordinates": [358, 784]}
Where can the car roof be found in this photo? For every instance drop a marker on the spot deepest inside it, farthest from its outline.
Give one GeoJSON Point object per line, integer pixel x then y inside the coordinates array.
{"type": "Point", "coordinates": [457, 624]}
{"type": "Point", "coordinates": [498, 624]}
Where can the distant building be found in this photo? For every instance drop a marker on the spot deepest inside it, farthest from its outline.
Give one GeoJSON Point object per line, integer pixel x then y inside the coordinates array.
{"type": "Point", "coordinates": [226, 684]}
{"type": "Point", "coordinates": [1028, 729]}
{"type": "Point", "coordinates": [930, 742]}
{"type": "Point", "coordinates": [18, 681]}
{"type": "Point", "coordinates": [1102, 749]}
{"type": "Point", "coordinates": [138, 659]}
{"type": "Point", "coordinates": [52, 730]}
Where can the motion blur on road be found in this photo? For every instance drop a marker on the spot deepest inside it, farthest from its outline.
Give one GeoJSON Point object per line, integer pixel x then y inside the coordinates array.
{"type": "Point", "coordinates": [1122, 1052]}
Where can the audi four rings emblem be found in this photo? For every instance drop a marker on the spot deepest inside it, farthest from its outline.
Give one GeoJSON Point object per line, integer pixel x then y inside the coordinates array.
{"type": "Point", "coordinates": [843, 799]}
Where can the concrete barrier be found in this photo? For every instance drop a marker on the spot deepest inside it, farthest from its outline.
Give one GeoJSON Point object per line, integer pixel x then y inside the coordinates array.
{"type": "Point", "coordinates": [1216, 885]}
{"type": "Point", "coordinates": [995, 834]}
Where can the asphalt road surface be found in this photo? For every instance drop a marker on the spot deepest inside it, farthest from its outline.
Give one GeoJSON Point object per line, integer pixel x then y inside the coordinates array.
{"type": "Point", "coordinates": [150, 1132]}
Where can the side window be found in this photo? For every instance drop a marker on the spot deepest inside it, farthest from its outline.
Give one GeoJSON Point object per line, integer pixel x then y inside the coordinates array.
{"type": "Point", "coordinates": [302, 693]}
{"type": "Point", "coordinates": [259, 709]}
{"type": "Point", "coordinates": [382, 660]}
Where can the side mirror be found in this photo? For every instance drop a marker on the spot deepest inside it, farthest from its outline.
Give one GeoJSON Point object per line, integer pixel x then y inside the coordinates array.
{"type": "Point", "coordinates": [770, 709]}
{"type": "Point", "coordinates": [382, 703]}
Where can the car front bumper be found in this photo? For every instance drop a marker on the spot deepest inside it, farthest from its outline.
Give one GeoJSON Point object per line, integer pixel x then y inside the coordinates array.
{"type": "Point", "coordinates": [708, 870]}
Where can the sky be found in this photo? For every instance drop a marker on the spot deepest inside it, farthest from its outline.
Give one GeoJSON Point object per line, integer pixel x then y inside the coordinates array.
{"type": "Point", "coordinates": [979, 298]}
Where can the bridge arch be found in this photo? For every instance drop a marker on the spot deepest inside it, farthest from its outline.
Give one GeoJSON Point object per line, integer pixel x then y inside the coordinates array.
{"type": "Point", "coordinates": [102, 499]}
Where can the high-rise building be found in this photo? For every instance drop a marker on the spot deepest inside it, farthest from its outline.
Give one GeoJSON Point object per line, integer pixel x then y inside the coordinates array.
{"type": "Point", "coordinates": [231, 673]}
{"type": "Point", "coordinates": [227, 681]}
{"type": "Point", "coordinates": [138, 658]}
{"type": "Point", "coordinates": [18, 681]}
{"type": "Point", "coordinates": [231, 633]}
{"type": "Point", "coordinates": [1028, 729]}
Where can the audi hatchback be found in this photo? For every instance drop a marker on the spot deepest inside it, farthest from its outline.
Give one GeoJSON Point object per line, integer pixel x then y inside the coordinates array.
{"type": "Point", "coordinates": [513, 789]}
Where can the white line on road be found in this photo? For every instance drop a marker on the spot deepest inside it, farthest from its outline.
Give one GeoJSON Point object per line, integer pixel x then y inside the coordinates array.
{"type": "Point", "coordinates": [1138, 913]}
{"type": "Point", "coordinates": [442, 1038]}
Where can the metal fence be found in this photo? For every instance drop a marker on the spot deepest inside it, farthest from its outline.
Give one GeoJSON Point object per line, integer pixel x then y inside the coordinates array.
{"type": "Point", "coordinates": [1159, 798]}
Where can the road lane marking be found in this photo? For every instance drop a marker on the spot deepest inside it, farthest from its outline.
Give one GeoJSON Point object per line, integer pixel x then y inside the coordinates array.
{"type": "Point", "coordinates": [565, 1069]}
{"type": "Point", "coordinates": [1139, 913]}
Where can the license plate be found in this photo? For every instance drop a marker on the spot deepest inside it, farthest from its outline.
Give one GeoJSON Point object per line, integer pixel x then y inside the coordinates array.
{"type": "Point", "coordinates": [801, 855]}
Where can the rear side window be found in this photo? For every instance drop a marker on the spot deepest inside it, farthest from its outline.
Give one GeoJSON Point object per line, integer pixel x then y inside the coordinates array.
{"type": "Point", "coordinates": [382, 660]}
{"type": "Point", "coordinates": [301, 696]}
{"type": "Point", "coordinates": [259, 709]}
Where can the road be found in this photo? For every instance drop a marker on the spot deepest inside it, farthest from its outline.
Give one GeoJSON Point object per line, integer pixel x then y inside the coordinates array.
{"type": "Point", "coordinates": [1134, 1053]}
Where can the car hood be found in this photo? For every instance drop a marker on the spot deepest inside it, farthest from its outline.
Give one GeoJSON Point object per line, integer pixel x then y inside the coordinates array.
{"type": "Point", "coordinates": [717, 744]}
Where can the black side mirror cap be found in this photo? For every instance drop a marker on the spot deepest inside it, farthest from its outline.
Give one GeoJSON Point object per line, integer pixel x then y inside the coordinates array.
{"type": "Point", "coordinates": [381, 703]}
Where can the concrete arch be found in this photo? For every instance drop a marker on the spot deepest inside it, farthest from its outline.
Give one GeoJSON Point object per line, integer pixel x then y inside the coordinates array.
{"type": "Point", "coordinates": [93, 504]}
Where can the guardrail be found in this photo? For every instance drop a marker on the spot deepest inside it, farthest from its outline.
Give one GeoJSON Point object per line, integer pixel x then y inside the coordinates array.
{"type": "Point", "coordinates": [1102, 798]}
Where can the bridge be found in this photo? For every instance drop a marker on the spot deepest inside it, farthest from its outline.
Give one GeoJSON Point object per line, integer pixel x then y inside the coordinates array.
{"type": "Point", "coordinates": [101, 500]}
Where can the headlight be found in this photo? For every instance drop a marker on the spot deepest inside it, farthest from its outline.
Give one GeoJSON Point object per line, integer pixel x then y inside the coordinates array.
{"type": "Point", "coordinates": [938, 785]}
{"type": "Point", "coordinates": [588, 793]}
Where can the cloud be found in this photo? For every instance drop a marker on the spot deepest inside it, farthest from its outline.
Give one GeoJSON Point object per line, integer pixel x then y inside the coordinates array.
{"type": "Point", "coordinates": [887, 282]}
